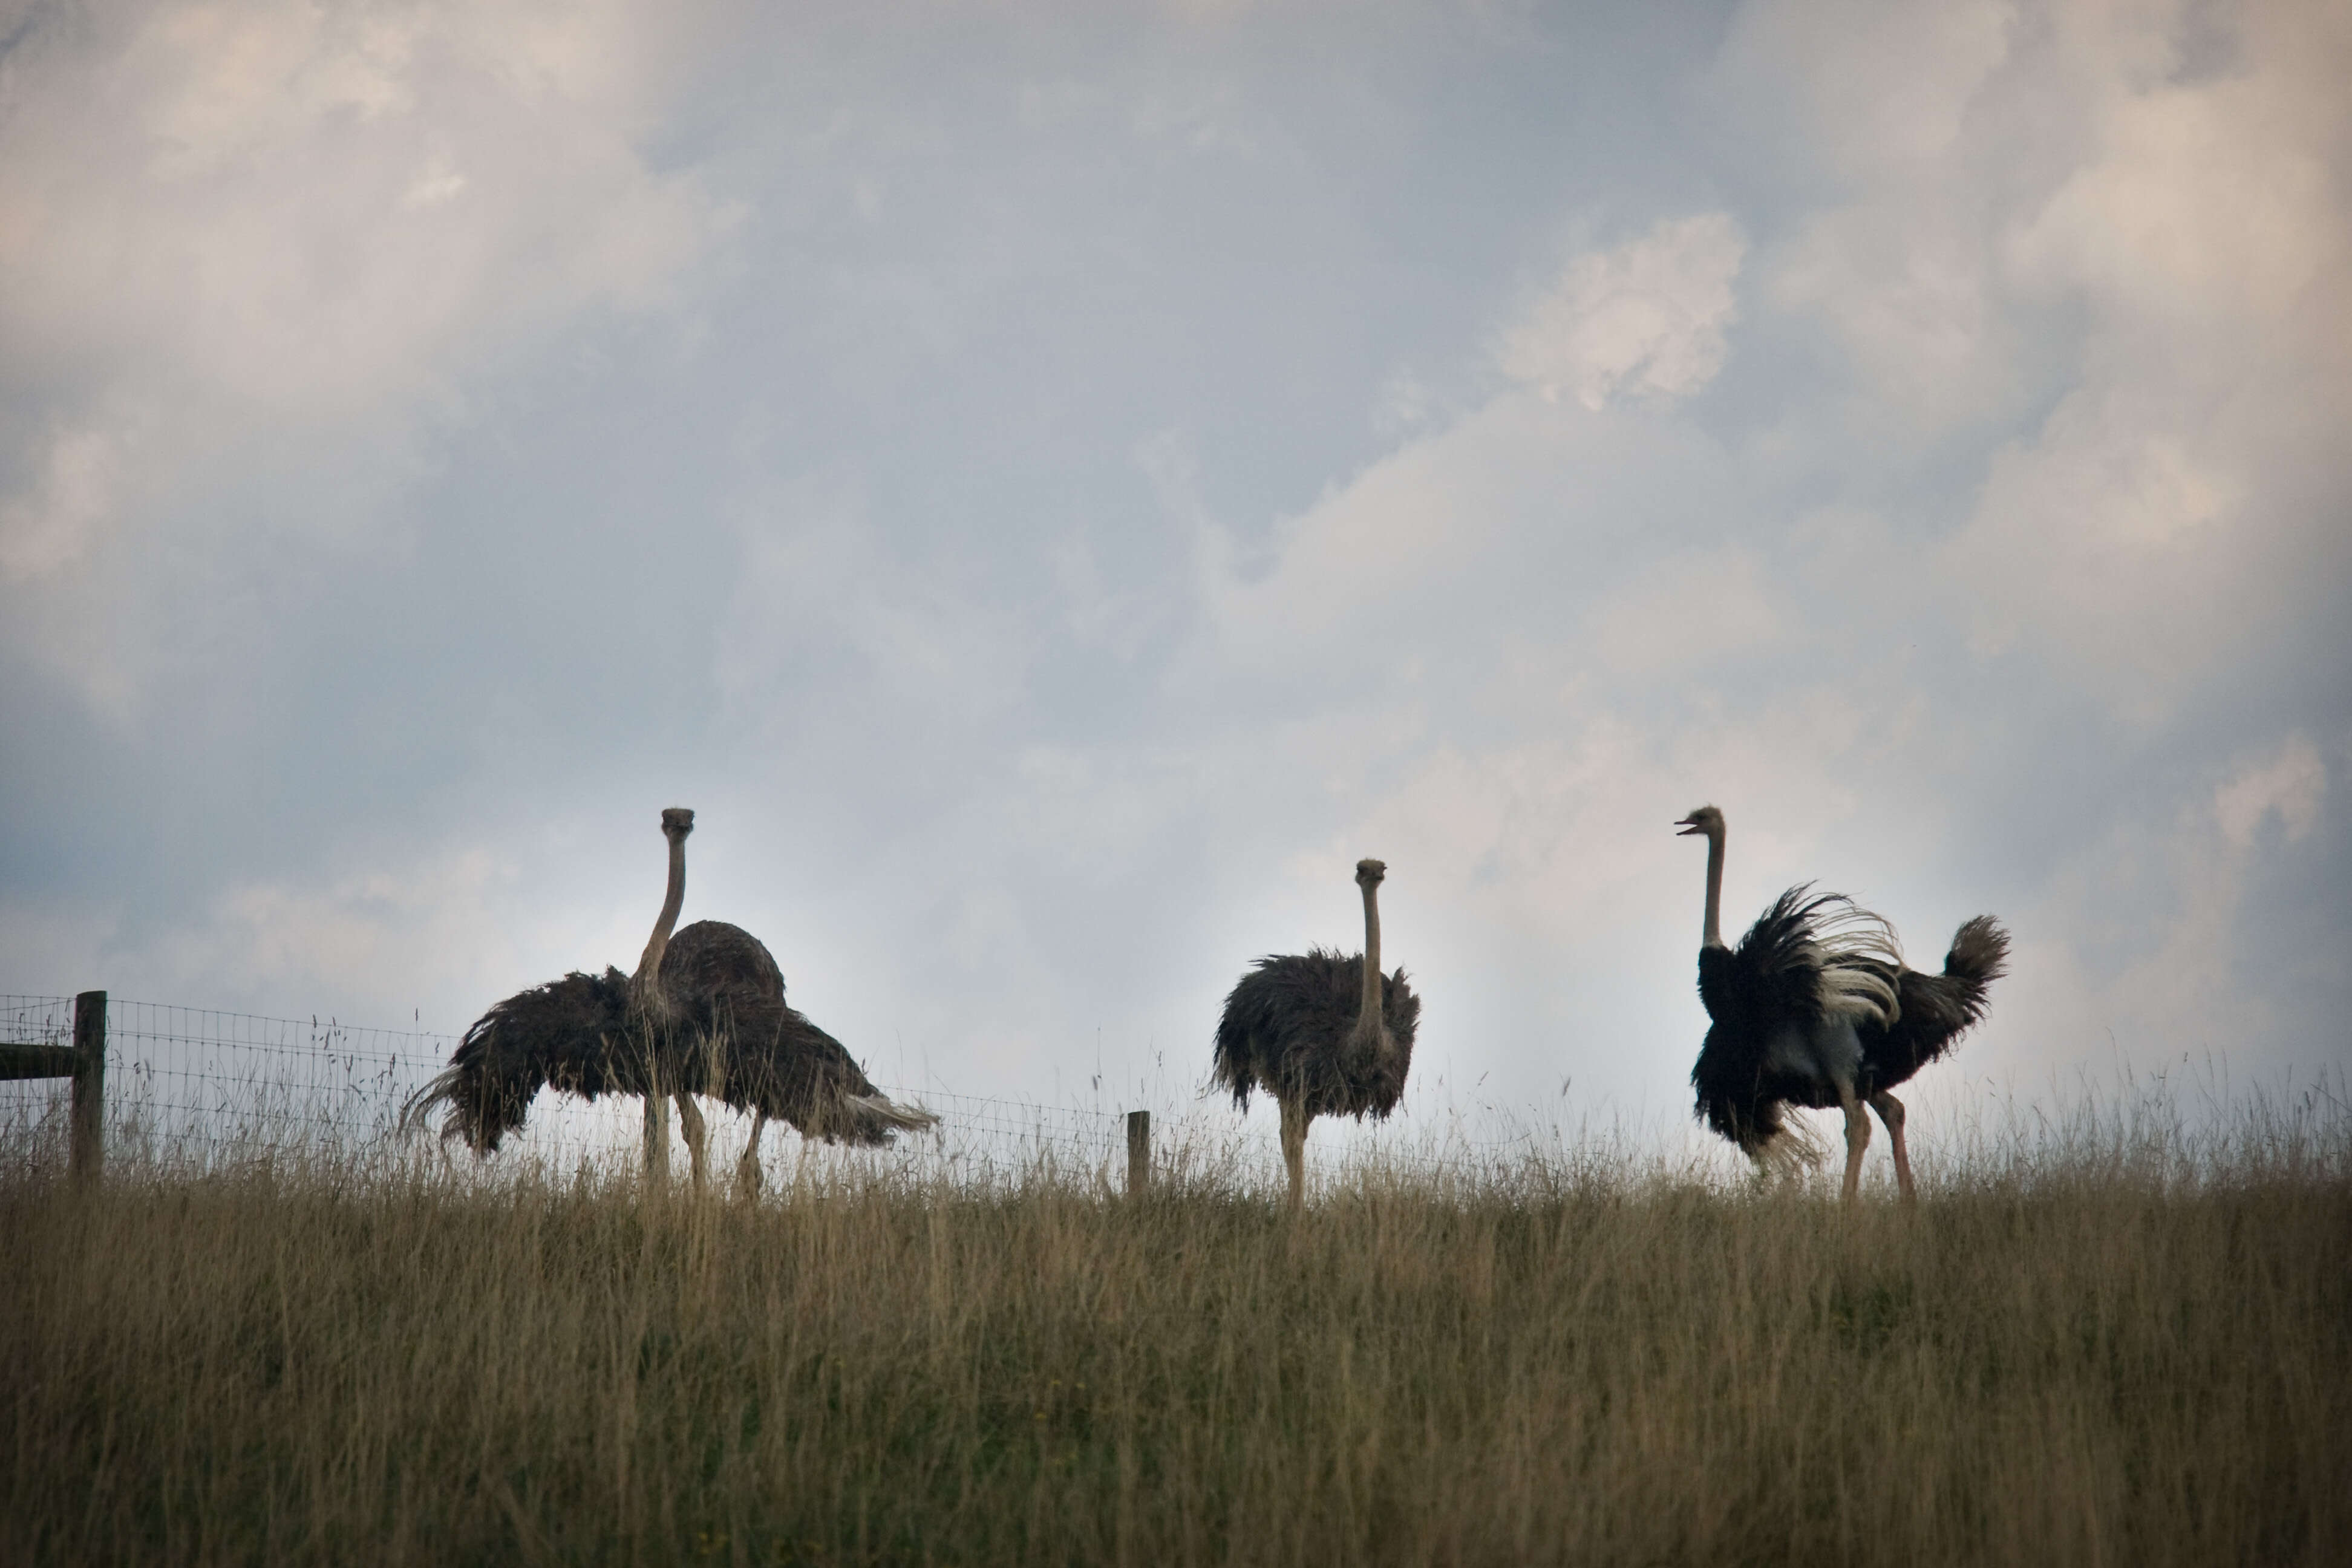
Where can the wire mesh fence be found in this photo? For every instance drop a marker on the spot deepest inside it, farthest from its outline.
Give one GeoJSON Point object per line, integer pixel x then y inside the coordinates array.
{"type": "Point", "coordinates": [192, 1091]}
{"type": "Point", "coordinates": [194, 1085]}
{"type": "Point", "coordinates": [36, 1020]}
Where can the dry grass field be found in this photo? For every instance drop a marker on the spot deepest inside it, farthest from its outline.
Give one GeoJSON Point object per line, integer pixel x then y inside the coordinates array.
{"type": "Point", "coordinates": [2098, 1350]}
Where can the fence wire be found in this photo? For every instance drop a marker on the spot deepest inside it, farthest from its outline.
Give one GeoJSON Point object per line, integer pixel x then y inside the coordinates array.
{"type": "Point", "coordinates": [36, 1020]}
{"type": "Point", "coordinates": [192, 1091]}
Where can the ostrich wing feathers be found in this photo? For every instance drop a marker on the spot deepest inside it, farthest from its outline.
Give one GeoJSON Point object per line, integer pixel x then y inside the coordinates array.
{"type": "Point", "coordinates": [577, 1034]}
{"type": "Point", "coordinates": [1777, 971]}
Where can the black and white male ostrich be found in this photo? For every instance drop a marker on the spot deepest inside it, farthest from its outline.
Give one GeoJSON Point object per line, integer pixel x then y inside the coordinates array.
{"type": "Point", "coordinates": [705, 1013]}
{"type": "Point", "coordinates": [1816, 1007]}
{"type": "Point", "coordinates": [1326, 1035]}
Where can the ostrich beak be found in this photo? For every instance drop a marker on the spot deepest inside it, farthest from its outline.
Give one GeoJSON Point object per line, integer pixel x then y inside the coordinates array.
{"type": "Point", "coordinates": [1690, 825]}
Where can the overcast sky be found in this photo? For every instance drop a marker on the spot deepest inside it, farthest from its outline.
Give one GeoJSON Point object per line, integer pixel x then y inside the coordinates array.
{"type": "Point", "coordinates": [1054, 486]}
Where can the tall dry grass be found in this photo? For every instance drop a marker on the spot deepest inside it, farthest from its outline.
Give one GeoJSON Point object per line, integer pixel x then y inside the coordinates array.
{"type": "Point", "coordinates": [2103, 1346]}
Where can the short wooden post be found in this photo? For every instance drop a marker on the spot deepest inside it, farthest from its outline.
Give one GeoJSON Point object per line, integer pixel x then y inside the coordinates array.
{"type": "Point", "coordinates": [1138, 1153]}
{"type": "Point", "coordinates": [88, 1156]}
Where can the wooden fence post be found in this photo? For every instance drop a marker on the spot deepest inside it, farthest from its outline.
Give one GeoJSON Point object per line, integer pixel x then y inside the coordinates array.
{"type": "Point", "coordinates": [1138, 1153]}
{"type": "Point", "coordinates": [88, 1160]}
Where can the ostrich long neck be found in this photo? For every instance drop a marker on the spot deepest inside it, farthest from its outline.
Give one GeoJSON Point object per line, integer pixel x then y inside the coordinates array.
{"type": "Point", "coordinates": [648, 975]}
{"type": "Point", "coordinates": [1714, 937]}
{"type": "Point", "coordinates": [1369, 1021]}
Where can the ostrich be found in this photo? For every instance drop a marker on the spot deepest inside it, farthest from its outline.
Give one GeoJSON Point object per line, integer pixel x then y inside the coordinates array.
{"type": "Point", "coordinates": [1816, 1007]}
{"type": "Point", "coordinates": [762, 1055]}
{"type": "Point", "coordinates": [1325, 1034]}
{"type": "Point", "coordinates": [705, 1010]}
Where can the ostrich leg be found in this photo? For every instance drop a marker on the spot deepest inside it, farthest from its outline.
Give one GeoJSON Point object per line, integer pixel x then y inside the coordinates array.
{"type": "Point", "coordinates": [1857, 1139]}
{"type": "Point", "coordinates": [656, 1140]}
{"type": "Point", "coordinates": [1890, 1110]}
{"type": "Point", "coordinates": [689, 1122]}
{"type": "Point", "coordinates": [746, 1169]}
{"type": "Point", "coordinates": [1294, 1148]}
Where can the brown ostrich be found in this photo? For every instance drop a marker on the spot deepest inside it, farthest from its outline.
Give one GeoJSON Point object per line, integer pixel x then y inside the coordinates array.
{"type": "Point", "coordinates": [1325, 1034]}
{"type": "Point", "coordinates": [705, 1013]}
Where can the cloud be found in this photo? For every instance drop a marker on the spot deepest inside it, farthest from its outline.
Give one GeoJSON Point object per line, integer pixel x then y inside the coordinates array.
{"type": "Point", "coordinates": [1882, 114]}
{"type": "Point", "coordinates": [2145, 934]}
{"type": "Point", "coordinates": [2289, 785]}
{"type": "Point", "coordinates": [282, 939]}
{"type": "Point", "coordinates": [2116, 541]}
{"type": "Point", "coordinates": [378, 941]}
{"type": "Point", "coordinates": [830, 622]}
{"type": "Point", "coordinates": [1398, 571]}
{"type": "Point", "coordinates": [1686, 612]}
{"type": "Point", "coordinates": [248, 248]}
{"type": "Point", "coordinates": [1858, 90]}
{"type": "Point", "coordinates": [1906, 287]}
{"type": "Point", "coordinates": [1415, 516]}
{"type": "Point", "coordinates": [1641, 323]}
{"type": "Point", "coordinates": [2171, 507]}
{"type": "Point", "coordinates": [2203, 204]}
{"type": "Point", "coordinates": [71, 495]}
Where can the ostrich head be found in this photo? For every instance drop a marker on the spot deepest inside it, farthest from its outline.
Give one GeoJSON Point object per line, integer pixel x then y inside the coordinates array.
{"type": "Point", "coordinates": [1706, 819]}
{"type": "Point", "coordinates": [1370, 872]}
{"type": "Point", "coordinates": [678, 821]}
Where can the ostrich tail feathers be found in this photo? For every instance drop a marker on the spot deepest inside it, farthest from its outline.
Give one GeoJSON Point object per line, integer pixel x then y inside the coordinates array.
{"type": "Point", "coordinates": [455, 1094]}
{"type": "Point", "coordinates": [1937, 1009]}
{"type": "Point", "coordinates": [1230, 1066]}
{"type": "Point", "coordinates": [1789, 1153]}
{"type": "Point", "coordinates": [1757, 1123]}
{"type": "Point", "coordinates": [871, 1120]}
{"type": "Point", "coordinates": [439, 1094]}
{"type": "Point", "coordinates": [898, 1118]}
{"type": "Point", "coordinates": [1979, 952]}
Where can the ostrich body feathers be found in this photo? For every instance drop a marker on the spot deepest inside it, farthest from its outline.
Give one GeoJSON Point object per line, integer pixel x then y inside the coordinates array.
{"type": "Point", "coordinates": [1817, 995]}
{"type": "Point", "coordinates": [1290, 1028]}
